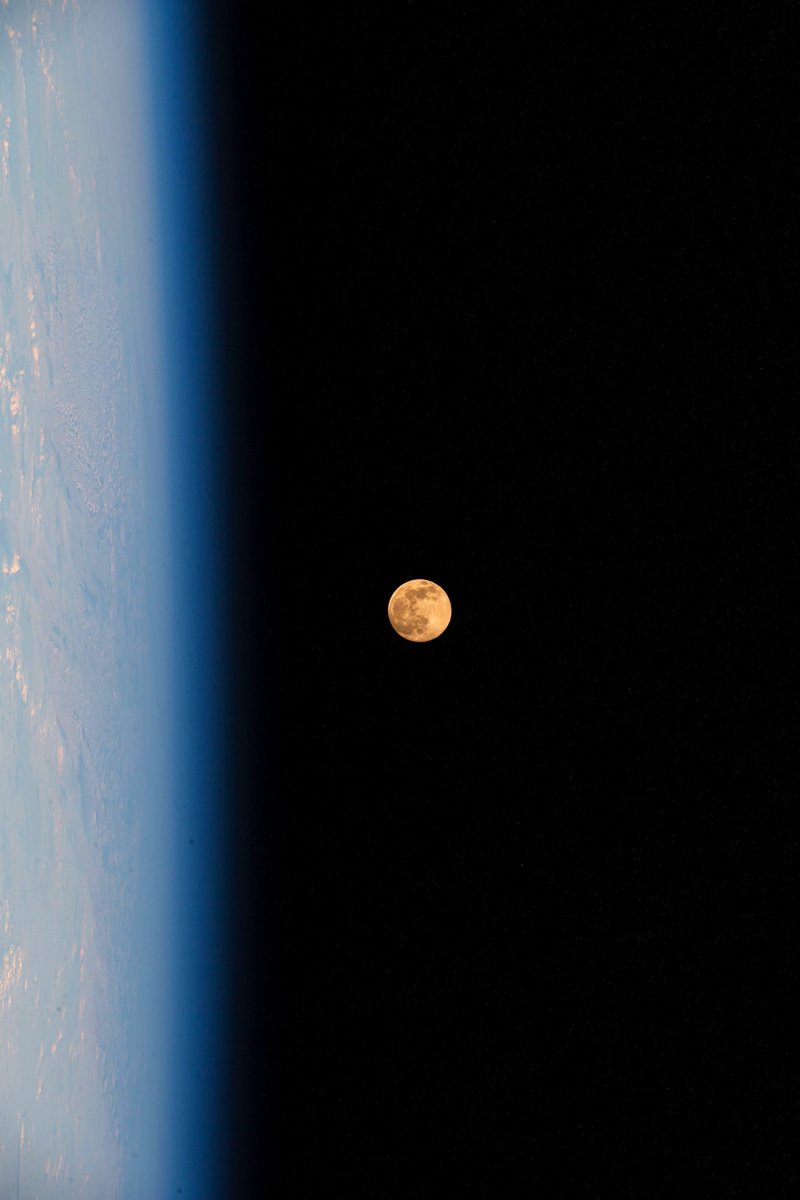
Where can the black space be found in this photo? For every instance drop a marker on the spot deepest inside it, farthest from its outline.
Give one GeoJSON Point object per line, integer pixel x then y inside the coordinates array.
{"type": "Point", "coordinates": [500, 307]}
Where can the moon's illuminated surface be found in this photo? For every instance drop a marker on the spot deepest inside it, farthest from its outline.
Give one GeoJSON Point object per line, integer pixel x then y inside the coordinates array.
{"type": "Point", "coordinates": [419, 610]}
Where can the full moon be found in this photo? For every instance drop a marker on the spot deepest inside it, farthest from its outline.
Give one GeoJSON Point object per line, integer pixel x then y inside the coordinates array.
{"type": "Point", "coordinates": [419, 610]}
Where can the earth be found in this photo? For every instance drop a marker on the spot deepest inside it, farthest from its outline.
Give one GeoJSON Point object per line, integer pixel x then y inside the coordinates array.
{"type": "Point", "coordinates": [84, 859]}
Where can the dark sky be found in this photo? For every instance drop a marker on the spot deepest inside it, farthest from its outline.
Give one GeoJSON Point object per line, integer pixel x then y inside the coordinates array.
{"type": "Point", "coordinates": [498, 307]}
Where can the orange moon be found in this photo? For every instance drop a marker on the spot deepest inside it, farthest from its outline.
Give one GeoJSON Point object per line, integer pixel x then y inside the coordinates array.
{"type": "Point", "coordinates": [419, 610]}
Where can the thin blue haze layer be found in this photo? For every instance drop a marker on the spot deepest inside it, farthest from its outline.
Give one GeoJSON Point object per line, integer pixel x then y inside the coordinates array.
{"type": "Point", "coordinates": [198, 673]}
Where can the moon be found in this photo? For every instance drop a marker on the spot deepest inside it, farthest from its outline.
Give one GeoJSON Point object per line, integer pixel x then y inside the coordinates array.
{"type": "Point", "coordinates": [419, 610]}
